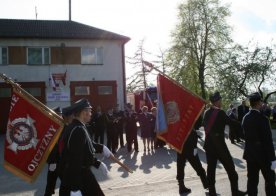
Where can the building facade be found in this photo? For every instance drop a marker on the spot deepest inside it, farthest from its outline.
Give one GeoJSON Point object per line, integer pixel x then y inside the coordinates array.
{"type": "Point", "coordinates": [59, 62]}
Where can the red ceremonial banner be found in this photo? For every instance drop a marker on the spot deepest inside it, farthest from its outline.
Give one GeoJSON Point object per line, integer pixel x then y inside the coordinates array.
{"type": "Point", "coordinates": [31, 134]}
{"type": "Point", "coordinates": [178, 110]}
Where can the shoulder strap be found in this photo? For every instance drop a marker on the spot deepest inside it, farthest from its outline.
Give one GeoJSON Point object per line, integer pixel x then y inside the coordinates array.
{"type": "Point", "coordinates": [211, 121]}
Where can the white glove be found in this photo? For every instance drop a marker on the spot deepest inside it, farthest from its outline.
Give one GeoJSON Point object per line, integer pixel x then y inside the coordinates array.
{"type": "Point", "coordinates": [52, 167]}
{"type": "Point", "coordinates": [75, 193]}
{"type": "Point", "coordinates": [195, 151]}
{"type": "Point", "coordinates": [273, 165]}
{"type": "Point", "coordinates": [227, 135]}
{"type": "Point", "coordinates": [106, 152]}
{"type": "Point", "coordinates": [103, 168]}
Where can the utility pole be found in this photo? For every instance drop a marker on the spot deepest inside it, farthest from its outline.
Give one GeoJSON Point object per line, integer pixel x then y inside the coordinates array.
{"type": "Point", "coordinates": [69, 10]}
{"type": "Point", "coordinates": [35, 13]}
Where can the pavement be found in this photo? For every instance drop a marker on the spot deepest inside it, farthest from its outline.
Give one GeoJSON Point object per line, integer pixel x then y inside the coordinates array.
{"type": "Point", "coordinates": [154, 174]}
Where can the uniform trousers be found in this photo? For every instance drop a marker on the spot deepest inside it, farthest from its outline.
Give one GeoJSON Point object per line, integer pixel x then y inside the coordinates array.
{"type": "Point", "coordinates": [52, 177]}
{"type": "Point", "coordinates": [112, 139]}
{"type": "Point", "coordinates": [193, 160]}
{"type": "Point", "coordinates": [132, 138]}
{"type": "Point", "coordinates": [89, 185]}
{"type": "Point", "coordinates": [222, 154]}
{"type": "Point", "coordinates": [253, 170]}
{"type": "Point", "coordinates": [99, 133]}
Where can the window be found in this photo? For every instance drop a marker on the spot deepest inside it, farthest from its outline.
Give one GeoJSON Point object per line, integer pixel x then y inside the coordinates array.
{"type": "Point", "coordinates": [104, 90]}
{"type": "Point", "coordinates": [92, 56]}
{"type": "Point", "coordinates": [36, 92]}
{"type": "Point", "coordinates": [38, 56]}
{"type": "Point", "coordinates": [5, 92]}
{"type": "Point", "coordinates": [3, 56]}
{"type": "Point", "coordinates": [82, 90]}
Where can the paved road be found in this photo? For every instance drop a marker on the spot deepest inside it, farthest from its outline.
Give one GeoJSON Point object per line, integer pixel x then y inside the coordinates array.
{"type": "Point", "coordinates": [154, 174]}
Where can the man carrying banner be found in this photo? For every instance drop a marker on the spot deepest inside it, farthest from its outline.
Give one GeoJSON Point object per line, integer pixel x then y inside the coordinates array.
{"type": "Point", "coordinates": [53, 159]}
{"type": "Point", "coordinates": [214, 122]}
{"type": "Point", "coordinates": [78, 155]}
{"type": "Point", "coordinates": [189, 153]}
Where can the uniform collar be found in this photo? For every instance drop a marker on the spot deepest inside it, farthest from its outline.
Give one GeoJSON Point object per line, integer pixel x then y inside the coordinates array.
{"type": "Point", "coordinates": [252, 109]}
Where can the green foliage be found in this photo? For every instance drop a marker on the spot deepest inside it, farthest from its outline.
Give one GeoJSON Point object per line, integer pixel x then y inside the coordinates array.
{"type": "Point", "coordinates": [200, 36]}
{"type": "Point", "coordinates": [244, 70]}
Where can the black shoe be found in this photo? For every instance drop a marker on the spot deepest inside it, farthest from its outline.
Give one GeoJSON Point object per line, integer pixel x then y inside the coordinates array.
{"type": "Point", "coordinates": [204, 180]}
{"type": "Point", "coordinates": [184, 190]}
{"type": "Point", "coordinates": [212, 191]}
{"type": "Point", "coordinates": [240, 193]}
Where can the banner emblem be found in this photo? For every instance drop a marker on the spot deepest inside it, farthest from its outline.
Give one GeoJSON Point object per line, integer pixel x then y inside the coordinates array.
{"type": "Point", "coordinates": [172, 112]}
{"type": "Point", "coordinates": [21, 134]}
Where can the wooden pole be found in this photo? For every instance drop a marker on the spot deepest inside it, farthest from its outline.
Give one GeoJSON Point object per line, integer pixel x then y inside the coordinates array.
{"type": "Point", "coordinates": [120, 163]}
{"type": "Point", "coordinates": [177, 83]}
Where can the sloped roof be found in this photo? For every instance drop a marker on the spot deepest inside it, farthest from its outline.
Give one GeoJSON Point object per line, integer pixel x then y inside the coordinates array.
{"type": "Point", "coordinates": [54, 29]}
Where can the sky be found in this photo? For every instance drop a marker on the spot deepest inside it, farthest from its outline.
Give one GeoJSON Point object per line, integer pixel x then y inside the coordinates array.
{"type": "Point", "coordinates": [148, 20]}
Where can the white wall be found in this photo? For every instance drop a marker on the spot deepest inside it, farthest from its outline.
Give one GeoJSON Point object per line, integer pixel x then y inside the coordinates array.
{"type": "Point", "coordinates": [110, 70]}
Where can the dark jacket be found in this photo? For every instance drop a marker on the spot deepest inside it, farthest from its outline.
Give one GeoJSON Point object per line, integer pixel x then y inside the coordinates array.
{"type": "Point", "coordinates": [258, 138]}
{"type": "Point", "coordinates": [131, 127]}
{"type": "Point", "coordinates": [99, 121]}
{"type": "Point", "coordinates": [77, 154]}
{"type": "Point", "coordinates": [215, 138]}
{"type": "Point", "coordinates": [55, 153]}
{"type": "Point", "coordinates": [191, 142]}
{"type": "Point", "coordinates": [242, 110]}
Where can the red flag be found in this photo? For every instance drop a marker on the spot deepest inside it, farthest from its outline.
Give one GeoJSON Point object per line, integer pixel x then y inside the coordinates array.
{"type": "Point", "coordinates": [32, 132]}
{"type": "Point", "coordinates": [177, 111]}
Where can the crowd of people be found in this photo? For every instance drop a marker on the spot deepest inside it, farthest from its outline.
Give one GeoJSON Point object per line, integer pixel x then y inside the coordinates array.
{"type": "Point", "coordinates": [74, 153]}
{"type": "Point", "coordinates": [84, 135]}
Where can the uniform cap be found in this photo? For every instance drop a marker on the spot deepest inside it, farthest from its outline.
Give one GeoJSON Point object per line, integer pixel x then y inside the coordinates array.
{"type": "Point", "coordinates": [255, 97]}
{"type": "Point", "coordinates": [57, 110]}
{"type": "Point", "coordinates": [215, 97]}
{"type": "Point", "coordinates": [67, 111]}
{"type": "Point", "coordinates": [80, 105]}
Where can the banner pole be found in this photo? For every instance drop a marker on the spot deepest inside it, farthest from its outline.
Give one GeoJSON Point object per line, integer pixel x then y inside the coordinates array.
{"type": "Point", "coordinates": [120, 163]}
{"type": "Point", "coordinates": [174, 81]}
{"type": "Point", "coordinates": [21, 90]}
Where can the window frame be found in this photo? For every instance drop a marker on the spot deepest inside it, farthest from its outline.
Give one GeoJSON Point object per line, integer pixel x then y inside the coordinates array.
{"type": "Point", "coordinates": [101, 87]}
{"type": "Point", "coordinates": [1, 57]}
{"type": "Point", "coordinates": [42, 55]}
{"type": "Point", "coordinates": [79, 90]}
{"type": "Point", "coordinates": [97, 51]}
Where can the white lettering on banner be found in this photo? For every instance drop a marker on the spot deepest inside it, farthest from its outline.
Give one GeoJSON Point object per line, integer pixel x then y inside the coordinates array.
{"type": "Point", "coordinates": [41, 149]}
{"type": "Point", "coordinates": [14, 100]}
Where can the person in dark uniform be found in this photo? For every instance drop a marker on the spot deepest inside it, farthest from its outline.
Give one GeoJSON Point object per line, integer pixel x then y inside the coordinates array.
{"type": "Point", "coordinates": [152, 130]}
{"type": "Point", "coordinates": [214, 122]}
{"type": "Point", "coordinates": [53, 158]}
{"type": "Point", "coordinates": [242, 110]}
{"type": "Point", "coordinates": [119, 115]}
{"type": "Point", "coordinates": [189, 153]}
{"type": "Point", "coordinates": [100, 125]}
{"type": "Point", "coordinates": [236, 129]}
{"type": "Point", "coordinates": [259, 150]}
{"type": "Point", "coordinates": [131, 130]}
{"type": "Point", "coordinates": [111, 131]}
{"type": "Point", "coordinates": [78, 155]}
{"type": "Point", "coordinates": [145, 127]}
